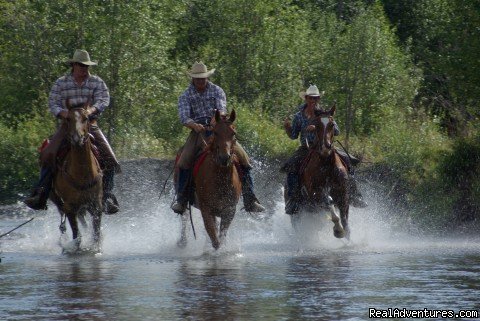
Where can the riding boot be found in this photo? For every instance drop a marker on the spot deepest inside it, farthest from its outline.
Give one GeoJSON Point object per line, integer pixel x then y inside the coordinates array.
{"type": "Point", "coordinates": [181, 202]}
{"type": "Point", "coordinates": [38, 199]}
{"type": "Point", "coordinates": [250, 201]}
{"type": "Point", "coordinates": [110, 203]}
{"type": "Point", "coordinates": [292, 204]}
{"type": "Point", "coordinates": [356, 198]}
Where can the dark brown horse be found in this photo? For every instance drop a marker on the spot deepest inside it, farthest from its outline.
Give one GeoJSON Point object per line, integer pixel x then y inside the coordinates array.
{"type": "Point", "coordinates": [217, 183]}
{"type": "Point", "coordinates": [325, 176]}
{"type": "Point", "coordinates": [77, 185]}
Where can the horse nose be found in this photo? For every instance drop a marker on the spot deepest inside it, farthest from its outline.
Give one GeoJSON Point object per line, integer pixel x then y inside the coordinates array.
{"type": "Point", "coordinates": [224, 159]}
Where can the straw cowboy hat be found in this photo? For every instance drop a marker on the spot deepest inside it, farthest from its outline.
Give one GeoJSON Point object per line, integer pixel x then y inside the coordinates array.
{"type": "Point", "coordinates": [311, 91]}
{"type": "Point", "coordinates": [81, 56]}
{"type": "Point", "coordinates": [199, 70]}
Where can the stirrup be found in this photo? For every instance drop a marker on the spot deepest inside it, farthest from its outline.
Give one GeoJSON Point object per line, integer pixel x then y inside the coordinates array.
{"type": "Point", "coordinates": [38, 200]}
{"type": "Point", "coordinates": [254, 206]}
{"type": "Point", "coordinates": [291, 207]}
{"type": "Point", "coordinates": [111, 204]}
{"type": "Point", "coordinates": [179, 207]}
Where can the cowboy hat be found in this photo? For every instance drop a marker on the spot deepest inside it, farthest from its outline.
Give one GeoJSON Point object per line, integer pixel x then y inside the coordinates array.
{"type": "Point", "coordinates": [81, 56]}
{"type": "Point", "coordinates": [199, 70]}
{"type": "Point", "coordinates": [311, 91]}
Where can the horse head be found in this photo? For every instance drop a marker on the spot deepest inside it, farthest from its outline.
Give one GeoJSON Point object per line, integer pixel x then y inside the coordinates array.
{"type": "Point", "coordinates": [78, 123]}
{"type": "Point", "coordinates": [324, 131]}
{"type": "Point", "coordinates": [224, 138]}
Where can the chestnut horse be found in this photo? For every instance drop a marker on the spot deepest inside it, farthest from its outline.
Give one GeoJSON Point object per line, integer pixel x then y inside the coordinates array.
{"type": "Point", "coordinates": [325, 176]}
{"type": "Point", "coordinates": [217, 182]}
{"type": "Point", "coordinates": [77, 184]}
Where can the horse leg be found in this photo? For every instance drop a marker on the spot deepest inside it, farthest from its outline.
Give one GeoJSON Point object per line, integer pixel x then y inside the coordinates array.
{"type": "Point", "coordinates": [344, 218]}
{"type": "Point", "coordinates": [210, 223]}
{"type": "Point", "coordinates": [182, 242]}
{"type": "Point", "coordinates": [72, 219]}
{"type": "Point", "coordinates": [63, 218]}
{"type": "Point", "coordinates": [338, 230]}
{"type": "Point", "coordinates": [96, 210]}
{"type": "Point", "coordinates": [225, 224]}
{"type": "Point", "coordinates": [97, 237]}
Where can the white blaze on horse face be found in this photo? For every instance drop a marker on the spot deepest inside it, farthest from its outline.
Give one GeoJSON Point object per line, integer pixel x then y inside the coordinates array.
{"type": "Point", "coordinates": [325, 121]}
{"type": "Point", "coordinates": [78, 127]}
{"type": "Point", "coordinates": [324, 149]}
{"type": "Point", "coordinates": [229, 148]}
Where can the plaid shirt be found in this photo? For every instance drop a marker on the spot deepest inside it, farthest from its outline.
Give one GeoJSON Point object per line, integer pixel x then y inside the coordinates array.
{"type": "Point", "coordinates": [196, 107]}
{"type": "Point", "coordinates": [94, 88]}
{"type": "Point", "coordinates": [300, 123]}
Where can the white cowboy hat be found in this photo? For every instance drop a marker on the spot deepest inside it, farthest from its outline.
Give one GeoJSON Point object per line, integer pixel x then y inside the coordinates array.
{"type": "Point", "coordinates": [199, 70]}
{"type": "Point", "coordinates": [311, 91]}
{"type": "Point", "coordinates": [81, 56]}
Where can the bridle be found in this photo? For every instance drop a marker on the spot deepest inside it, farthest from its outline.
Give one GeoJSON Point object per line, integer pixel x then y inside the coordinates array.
{"type": "Point", "coordinates": [85, 139]}
{"type": "Point", "coordinates": [68, 122]}
{"type": "Point", "coordinates": [214, 149]}
{"type": "Point", "coordinates": [321, 141]}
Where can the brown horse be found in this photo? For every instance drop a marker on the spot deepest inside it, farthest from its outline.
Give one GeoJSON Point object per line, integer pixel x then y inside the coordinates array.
{"type": "Point", "coordinates": [77, 185]}
{"type": "Point", "coordinates": [217, 183]}
{"type": "Point", "coordinates": [325, 176]}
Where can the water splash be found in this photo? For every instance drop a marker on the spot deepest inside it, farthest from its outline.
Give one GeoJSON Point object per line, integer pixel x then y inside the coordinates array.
{"type": "Point", "coordinates": [147, 226]}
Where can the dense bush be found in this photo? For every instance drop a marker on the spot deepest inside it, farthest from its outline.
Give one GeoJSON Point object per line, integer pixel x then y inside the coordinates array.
{"type": "Point", "coordinates": [19, 167]}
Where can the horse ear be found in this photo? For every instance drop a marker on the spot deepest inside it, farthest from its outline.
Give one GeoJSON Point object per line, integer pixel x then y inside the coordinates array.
{"type": "Point", "coordinates": [233, 115]}
{"type": "Point", "coordinates": [333, 109]}
{"type": "Point", "coordinates": [217, 115]}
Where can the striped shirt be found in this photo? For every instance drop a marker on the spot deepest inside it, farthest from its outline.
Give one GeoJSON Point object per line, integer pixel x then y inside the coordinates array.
{"type": "Point", "coordinates": [93, 89]}
{"type": "Point", "coordinates": [300, 123]}
{"type": "Point", "coordinates": [199, 107]}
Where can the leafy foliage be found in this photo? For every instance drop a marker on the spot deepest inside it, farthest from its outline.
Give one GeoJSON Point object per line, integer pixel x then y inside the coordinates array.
{"type": "Point", "coordinates": [404, 75]}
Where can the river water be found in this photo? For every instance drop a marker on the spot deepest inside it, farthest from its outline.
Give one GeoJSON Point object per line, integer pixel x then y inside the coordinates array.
{"type": "Point", "coordinates": [263, 273]}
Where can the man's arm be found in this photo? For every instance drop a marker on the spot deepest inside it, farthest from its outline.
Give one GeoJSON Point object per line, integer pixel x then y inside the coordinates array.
{"type": "Point", "coordinates": [55, 99]}
{"type": "Point", "coordinates": [101, 96]}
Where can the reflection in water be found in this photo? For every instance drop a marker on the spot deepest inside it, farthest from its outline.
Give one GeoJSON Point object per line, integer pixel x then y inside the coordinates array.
{"type": "Point", "coordinates": [82, 289]}
{"type": "Point", "coordinates": [214, 292]}
{"type": "Point", "coordinates": [143, 276]}
{"type": "Point", "coordinates": [318, 285]}
{"type": "Point", "coordinates": [79, 289]}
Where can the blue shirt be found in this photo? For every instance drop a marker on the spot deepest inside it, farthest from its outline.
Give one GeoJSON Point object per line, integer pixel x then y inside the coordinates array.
{"type": "Point", "coordinates": [199, 107]}
{"type": "Point", "coordinates": [300, 123]}
{"type": "Point", "coordinates": [93, 89]}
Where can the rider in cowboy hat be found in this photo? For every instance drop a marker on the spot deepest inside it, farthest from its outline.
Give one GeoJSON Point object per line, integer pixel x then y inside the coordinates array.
{"type": "Point", "coordinates": [301, 127]}
{"type": "Point", "coordinates": [196, 109]}
{"type": "Point", "coordinates": [78, 87]}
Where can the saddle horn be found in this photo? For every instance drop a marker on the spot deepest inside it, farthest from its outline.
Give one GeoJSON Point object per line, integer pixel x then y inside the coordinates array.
{"type": "Point", "coordinates": [217, 115]}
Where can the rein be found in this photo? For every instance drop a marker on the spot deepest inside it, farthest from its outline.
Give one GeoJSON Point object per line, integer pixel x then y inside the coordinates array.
{"type": "Point", "coordinates": [71, 180]}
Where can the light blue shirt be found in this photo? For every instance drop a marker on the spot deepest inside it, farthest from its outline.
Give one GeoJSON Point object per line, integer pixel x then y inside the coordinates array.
{"type": "Point", "coordinates": [199, 107]}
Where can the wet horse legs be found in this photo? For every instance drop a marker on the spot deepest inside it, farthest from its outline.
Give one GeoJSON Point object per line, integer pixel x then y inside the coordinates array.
{"type": "Point", "coordinates": [211, 227]}
{"type": "Point", "coordinates": [225, 224]}
{"type": "Point", "coordinates": [96, 220]}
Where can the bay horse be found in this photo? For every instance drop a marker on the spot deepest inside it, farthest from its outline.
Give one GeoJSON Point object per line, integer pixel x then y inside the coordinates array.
{"type": "Point", "coordinates": [77, 183]}
{"type": "Point", "coordinates": [217, 182]}
{"type": "Point", "coordinates": [325, 176]}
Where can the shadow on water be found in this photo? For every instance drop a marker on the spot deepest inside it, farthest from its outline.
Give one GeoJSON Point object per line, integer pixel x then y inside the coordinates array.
{"type": "Point", "coordinates": [263, 272]}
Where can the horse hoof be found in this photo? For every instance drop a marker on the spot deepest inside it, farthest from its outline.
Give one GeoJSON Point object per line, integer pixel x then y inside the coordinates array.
{"type": "Point", "coordinates": [339, 233]}
{"type": "Point", "coordinates": [182, 243]}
